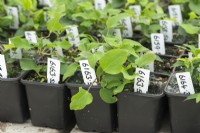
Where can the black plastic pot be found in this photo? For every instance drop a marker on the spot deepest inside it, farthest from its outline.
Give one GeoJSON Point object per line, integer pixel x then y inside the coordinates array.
{"type": "Point", "coordinates": [49, 105]}
{"type": "Point", "coordinates": [140, 113]}
{"type": "Point", "coordinates": [13, 100]}
{"type": "Point", "coordinates": [98, 116]}
{"type": "Point", "coordinates": [184, 115]}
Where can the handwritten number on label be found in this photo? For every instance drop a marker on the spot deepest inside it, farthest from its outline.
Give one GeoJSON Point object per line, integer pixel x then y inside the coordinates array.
{"type": "Point", "coordinates": [185, 83]}
{"type": "Point", "coordinates": [142, 80]}
{"type": "Point", "coordinates": [88, 73]}
{"type": "Point", "coordinates": [53, 72]}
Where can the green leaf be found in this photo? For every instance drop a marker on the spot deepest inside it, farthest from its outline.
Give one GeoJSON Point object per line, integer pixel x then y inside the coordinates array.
{"type": "Point", "coordinates": [54, 25]}
{"type": "Point", "coordinates": [114, 21]}
{"type": "Point", "coordinates": [70, 70]}
{"type": "Point", "coordinates": [131, 1]}
{"type": "Point", "coordinates": [120, 88]}
{"type": "Point", "coordinates": [194, 6]}
{"type": "Point", "coordinates": [145, 59]}
{"type": "Point", "coordinates": [107, 96]}
{"type": "Point", "coordinates": [143, 2]}
{"type": "Point", "coordinates": [178, 63]}
{"type": "Point", "coordinates": [112, 41]}
{"type": "Point", "coordinates": [128, 76]}
{"type": "Point", "coordinates": [65, 44]}
{"type": "Point", "coordinates": [112, 62]}
{"type": "Point", "coordinates": [193, 15]}
{"type": "Point", "coordinates": [190, 29]}
{"type": "Point", "coordinates": [20, 43]}
{"type": "Point", "coordinates": [94, 58]}
{"type": "Point", "coordinates": [63, 68]}
{"type": "Point", "coordinates": [81, 99]}
{"type": "Point", "coordinates": [194, 96]}
{"type": "Point", "coordinates": [28, 64]}
{"type": "Point", "coordinates": [8, 46]}
{"type": "Point", "coordinates": [5, 21]}
{"type": "Point", "coordinates": [86, 5]}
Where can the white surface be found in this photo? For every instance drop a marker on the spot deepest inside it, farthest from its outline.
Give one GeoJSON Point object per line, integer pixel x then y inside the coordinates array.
{"type": "Point", "coordinates": [29, 128]}
{"type": "Point", "coordinates": [24, 128]}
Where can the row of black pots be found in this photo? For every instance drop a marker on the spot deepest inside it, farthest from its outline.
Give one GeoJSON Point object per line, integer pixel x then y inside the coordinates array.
{"type": "Point", "coordinates": [46, 104]}
{"type": "Point", "coordinates": [49, 107]}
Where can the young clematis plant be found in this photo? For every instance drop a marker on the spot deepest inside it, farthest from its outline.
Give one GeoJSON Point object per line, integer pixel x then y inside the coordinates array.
{"type": "Point", "coordinates": [29, 17]}
{"type": "Point", "coordinates": [191, 64]}
{"type": "Point", "coordinates": [114, 67]}
{"type": "Point", "coordinates": [5, 21]}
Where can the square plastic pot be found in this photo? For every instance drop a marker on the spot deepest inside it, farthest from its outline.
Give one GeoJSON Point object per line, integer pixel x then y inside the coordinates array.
{"type": "Point", "coordinates": [13, 100]}
{"type": "Point", "coordinates": [49, 105]}
{"type": "Point", "coordinates": [184, 115]}
{"type": "Point", "coordinates": [140, 113]}
{"type": "Point", "coordinates": [96, 117]}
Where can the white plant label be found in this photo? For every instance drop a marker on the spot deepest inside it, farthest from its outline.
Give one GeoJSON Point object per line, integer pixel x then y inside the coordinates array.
{"type": "Point", "coordinates": [46, 17]}
{"type": "Point", "coordinates": [15, 54]}
{"type": "Point", "coordinates": [59, 51]}
{"type": "Point", "coordinates": [141, 82]}
{"type": "Point", "coordinates": [53, 71]}
{"type": "Point", "coordinates": [3, 69]}
{"type": "Point", "coordinates": [31, 36]}
{"type": "Point", "coordinates": [73, 37]}
{"type": "Point", "coordinates": [45, 3]}
{"type": "Point", "coordinates": [13, 11]}
{"type": "Point", "coordinates": [190, 55]}
{"type": "Point", "coordinates": [100, 4]}
{"type": "Point", "coordinates": [185, 83]}
{"type": "Point", "coordinates": [166, 29]}
{"type": "Point", "coordinates": [99, 49]}
{"type": "Point", "coordinates": [158, 43]}
{"type": "Point", "coordinates": [151, 67]}
{"type": "Point", "coordinates": [137, 10]}
{"type": "Point", "coordinates": [175, 12]}
{"type": "Point", "coordinates": [117, 33]}
{"type": "Point", "coordinates": [88, 73]}
{"type": "Point", "coordinates": [128, 30]}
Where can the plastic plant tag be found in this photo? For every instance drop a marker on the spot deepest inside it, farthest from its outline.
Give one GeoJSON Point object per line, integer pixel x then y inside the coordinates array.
{"type": "Point", "coordinates": [88, 73]}
{"type": "Point", "coordinates": [15, 54]}
{"type": "Point", "coordinates": [59, 51]}
{"type": "Point", "coordinates": [45, 3]}
{"type": "Point", "coordinates": [175, 12]}
{"type": "Point", "coordinates": [141, 82]}
{"type": "Point", "coordinates": [151, 67]}
{"type": "Point", "coordinates": [31, 36]}
{"type": "Point", "coordinates": [185, 83]}
{"type": "Point", "coordinates": [3, 69]}
{"type": "Point", "coordinates": [13, 11]}
{"type": "Point", "coordinates": [53, 71]}
{"type": "Point", "coordinates": [73, 37]}
{"type": "Point", "coordinates": [99, 49]}
{"type": "Point", "coordinates": [46, 17]}
{"type": "Point", "coordinates": [100, 4]}
{"type": "Point", "coordinates": [137, 11]}
{"type": "Point", "coordinates": [190, 55]}
{"type": "Point", "coordinates": [117, 33]}
{"type": "Point", "coordinates": [166, 29]}
{"type": "Point", "coordinates": [158, 43]}
{"type": "Point", "coordinates": [128, 30]}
